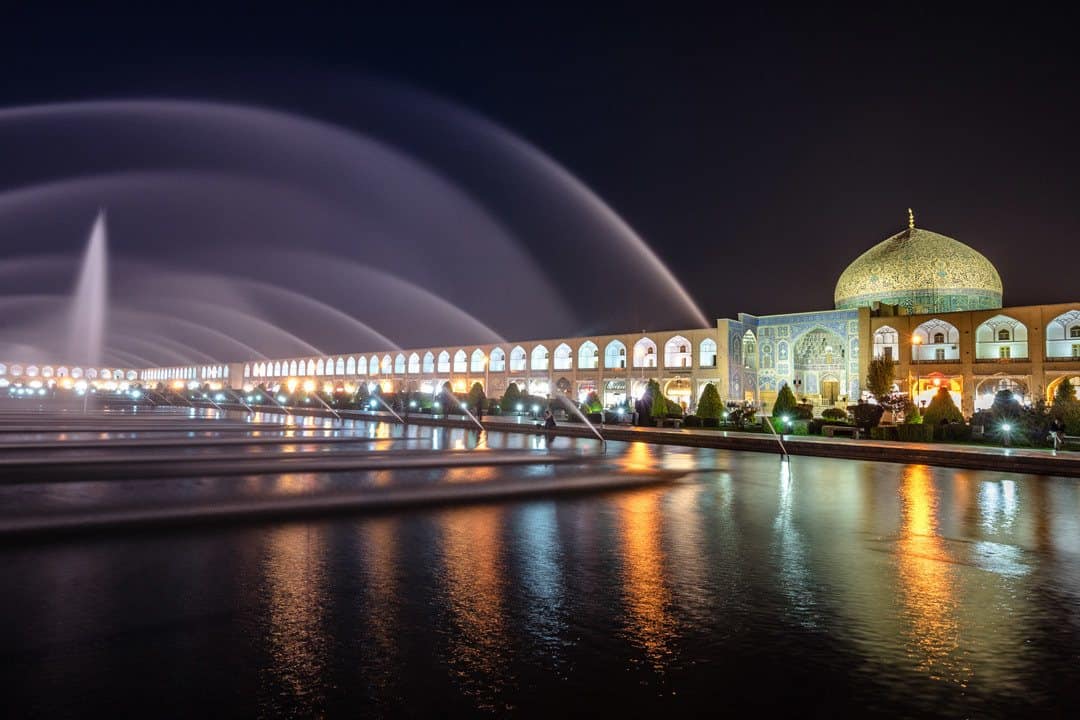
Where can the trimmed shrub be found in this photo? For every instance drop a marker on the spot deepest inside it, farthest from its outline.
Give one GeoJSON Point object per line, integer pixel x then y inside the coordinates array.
{"type": "Point", "coordinates": [941, 408]}
{"type": "Point", "coordinates": [866, 415]}
{"type": "Point", "coordinates": [710, 422]}
{"type": "Point", "coordinates": [692, 421]}
{"type": "Point", "coordinates": [834, 414]}
{"type": "Point", "coordinates": [884, 432]}
{"type": "Point", "coordinates": [804, 411]}
{"type": "Point", "coordinates": [785, 402]}
{"type": "Point", "coordinates": [709, 406]}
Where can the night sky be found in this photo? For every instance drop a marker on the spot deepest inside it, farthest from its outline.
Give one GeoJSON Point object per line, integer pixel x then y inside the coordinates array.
{"type": "Point", "coordinates": [757, 152]}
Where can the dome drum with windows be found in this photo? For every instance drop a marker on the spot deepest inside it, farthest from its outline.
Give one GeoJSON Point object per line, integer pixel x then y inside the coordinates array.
{"type": "Point", "coordinates": [922, 272]}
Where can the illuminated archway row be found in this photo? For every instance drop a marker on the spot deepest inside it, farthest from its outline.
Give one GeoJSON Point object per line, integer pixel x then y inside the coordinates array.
{"type": "Point", "coordinates": [30, 371]}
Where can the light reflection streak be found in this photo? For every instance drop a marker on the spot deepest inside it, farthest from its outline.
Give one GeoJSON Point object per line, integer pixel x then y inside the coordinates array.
{"type": "Point", "coordinates": [795, 576]}
{"type": "Point", "coordinates": [295, 577]}
{"type": "Point", "coordinates": [645, 588]}
{"type": "Point", "coordinates": [479, 649]}
{"type": "Point", "coordinates": [927, 584]}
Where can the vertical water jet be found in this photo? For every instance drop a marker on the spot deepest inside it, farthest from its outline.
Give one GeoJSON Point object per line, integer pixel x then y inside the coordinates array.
{"type": "Point", "coordinates": [87, 318]}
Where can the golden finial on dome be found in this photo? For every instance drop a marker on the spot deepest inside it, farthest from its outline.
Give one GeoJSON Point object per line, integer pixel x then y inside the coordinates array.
{"type": "Point", "coordinates": [910, 219]}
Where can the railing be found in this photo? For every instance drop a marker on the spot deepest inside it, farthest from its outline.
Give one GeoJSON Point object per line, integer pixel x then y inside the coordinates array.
{"type": "Point", "coordinates": [1063, 358]}
{"type": "Point", "coordinates": [1003, 361]}
{"type": "Point", "coordinates": [950, 361]}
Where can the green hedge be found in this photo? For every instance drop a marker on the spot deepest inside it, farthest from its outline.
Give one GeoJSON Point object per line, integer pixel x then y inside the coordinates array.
{"type": "Point", "coordinates": [915, 432]}
{"type": "Point", "coordinates": [953, 432]}
{"type": "Point", "coordinates": [884, 432]}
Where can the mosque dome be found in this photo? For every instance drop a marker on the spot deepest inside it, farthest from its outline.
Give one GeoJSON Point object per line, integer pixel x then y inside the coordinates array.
{"type": "Point", "coordinates": [921, 271]}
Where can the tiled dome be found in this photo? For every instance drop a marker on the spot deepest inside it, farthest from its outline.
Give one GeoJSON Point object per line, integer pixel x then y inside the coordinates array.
{"type": "Point", "coordinates": [923, 272]}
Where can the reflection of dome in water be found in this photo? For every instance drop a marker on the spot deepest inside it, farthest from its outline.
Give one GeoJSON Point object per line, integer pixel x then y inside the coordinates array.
{"type": "Point", "coordinates": [923, 272]}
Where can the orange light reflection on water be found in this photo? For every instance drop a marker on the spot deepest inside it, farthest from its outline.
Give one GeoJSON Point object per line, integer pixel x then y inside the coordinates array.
{"type": "Point", "coordinates": [645, 586]}
{"type": "Point", "coordinates": [476, 588]}
{"type": "Point", "coordinates": [927, 584]}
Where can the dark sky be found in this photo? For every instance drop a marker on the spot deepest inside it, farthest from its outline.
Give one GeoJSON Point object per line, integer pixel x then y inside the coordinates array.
{"type": "Point", "coordinates": [758, 152]}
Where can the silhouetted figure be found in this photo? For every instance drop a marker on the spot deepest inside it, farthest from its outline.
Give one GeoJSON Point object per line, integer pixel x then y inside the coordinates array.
{"type": "Point", "coordinates": [1057, 431]}
{"type": "Point", "coordinates": [479, 410]}
{"type": "Point", "coordinates": [549, 420]}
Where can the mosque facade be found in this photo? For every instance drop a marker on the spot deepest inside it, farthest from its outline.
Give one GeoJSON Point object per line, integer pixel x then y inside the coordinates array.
{"type": "Point", "coordinates": [929, 302]}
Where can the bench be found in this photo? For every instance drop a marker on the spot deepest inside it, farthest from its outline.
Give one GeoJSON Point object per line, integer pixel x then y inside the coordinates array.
{"type": "Point", "coordinates": [1066, 440]}
{"type": "Point", "coordinates": [834, 430]}
{"type": "Point", "coordinates": [669, 422]}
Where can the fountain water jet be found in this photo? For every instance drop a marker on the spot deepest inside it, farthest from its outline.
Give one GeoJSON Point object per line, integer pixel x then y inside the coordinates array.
{"type": "Point", "coordinates": [565, 402]}
{"type": "Point", "coordinates": [87, 334]}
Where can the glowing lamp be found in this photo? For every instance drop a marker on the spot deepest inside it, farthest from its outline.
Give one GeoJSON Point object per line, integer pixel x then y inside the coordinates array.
{"type": "Point", "coordinates": [309, 386]}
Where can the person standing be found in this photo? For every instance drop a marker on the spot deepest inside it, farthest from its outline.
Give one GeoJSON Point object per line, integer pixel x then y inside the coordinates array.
{"type": "Point", "coordinates": [1057, 430]}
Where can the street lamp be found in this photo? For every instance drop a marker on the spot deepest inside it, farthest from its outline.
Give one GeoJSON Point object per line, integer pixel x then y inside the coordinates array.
{"type": "Point", "coordinates": [916, 340]}
{"type": "Point", "coordinates": [1005, 428]}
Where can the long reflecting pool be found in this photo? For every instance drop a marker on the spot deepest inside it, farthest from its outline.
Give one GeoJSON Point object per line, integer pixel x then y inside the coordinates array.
{"type": "Point", "coordinates": [817, 586]}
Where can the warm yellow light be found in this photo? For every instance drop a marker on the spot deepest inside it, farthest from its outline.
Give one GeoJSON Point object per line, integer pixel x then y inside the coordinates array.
{"type": "Point", "coordinates": [66, 383]}
{"type": "Point", "coordinates": [291, 383]}
{"type": "Point", "coordinates": [328, 388]}
{"type": "Point", "coordinates": [214, 386]}
{"type": "Point", "coordinates": [309, 386]}
{"type": "Point", "coordinates": [349, 388]}
{"type": "Point", "coordinates": [937, 382]}
{"type": "Point", "coordinates": [916, 340]}
{"type": "Point", "coordinates": [248, 387]}
{"type": "Point", "coordinates": [178, 385]}
{"type": "Point", "coordinates": [387, 386]}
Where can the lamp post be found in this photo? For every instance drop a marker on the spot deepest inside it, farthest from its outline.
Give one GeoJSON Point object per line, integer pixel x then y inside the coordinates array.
{"type": "Point", "coordinates": [916, 341]}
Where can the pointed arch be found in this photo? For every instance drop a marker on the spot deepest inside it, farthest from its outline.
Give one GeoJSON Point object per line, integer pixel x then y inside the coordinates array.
{"type": "Point", "coordinates": [517, 359]}
{"type": "Point", "coordinates": [498, 360]}
{"type": "Point", "coordinates": [399, 364]}
{"type": "Point", "coordinates": [645, 353]}
{"type": "Point", "coordinates": [460, 362]}
{"type": "Point", "coordinates": [429, 362]}
{"type": "Point", "coordinates": [539, 358]}
{"type": "Point", "coordinates": [588, 357]}
{"type": "Point", "coordinates": [615, 355]}
{"type": "Point", "coordinates": [444, 362]}
{"type": "Point", "coordinates": [677, 353]}
{"type": "Point", "coordinates": [563, 358]}
{"type": "Point", "coordinates": [478, 361]}
{"type": "Point", "coordinates": [414, 364]}
{"type": "Point", "coordinates": [707, 353]}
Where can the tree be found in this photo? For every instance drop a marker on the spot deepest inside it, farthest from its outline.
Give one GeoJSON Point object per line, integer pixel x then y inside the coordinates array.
{"type": "Point", "coordinates": [476, 395]}
{"type": "Point", "coordinates": [941, 408]}
{"type": "Point", "coordinates": [785, 402]}
{"type": "Point", "coordinates": [1004, 404]}
{"type": "Point", "coordinates": [510, 399]}
{"type": "Point", "coordinates": [709, 406]}
{"type": "Point", "coordinates": [1065, 392]}
{"type": "Point", "coordinates": [879, 378]}
{"type": "Point", "coordinates": [658, 404]}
